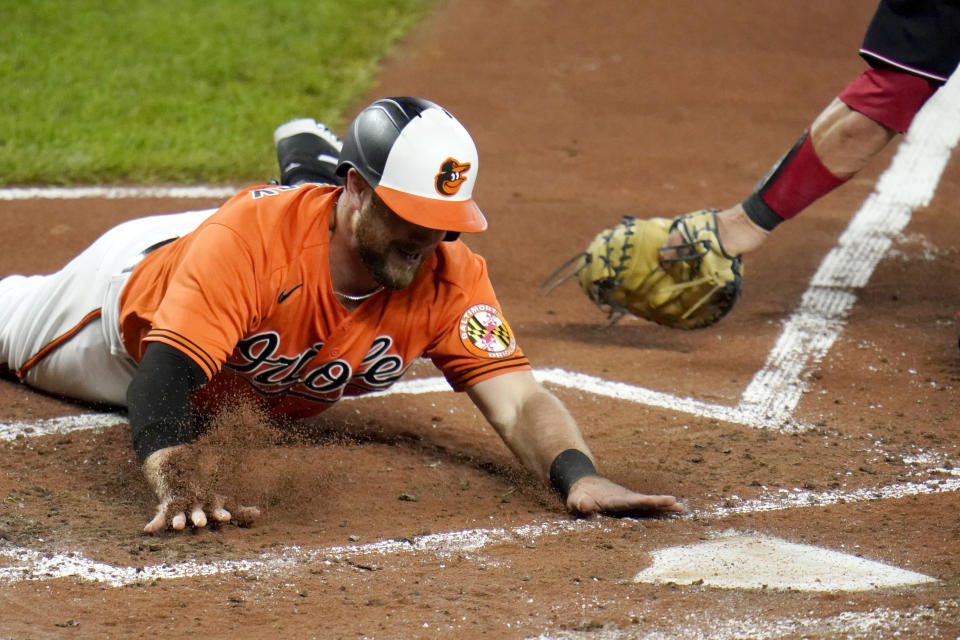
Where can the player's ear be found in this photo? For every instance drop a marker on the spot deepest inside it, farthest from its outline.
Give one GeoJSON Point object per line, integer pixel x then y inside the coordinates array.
{"type": "Point", "coordinates": [356, 188]}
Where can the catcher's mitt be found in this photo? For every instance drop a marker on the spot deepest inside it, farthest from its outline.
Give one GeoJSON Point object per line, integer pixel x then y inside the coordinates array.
{"type": "Point", "coordinates": [627, 270]}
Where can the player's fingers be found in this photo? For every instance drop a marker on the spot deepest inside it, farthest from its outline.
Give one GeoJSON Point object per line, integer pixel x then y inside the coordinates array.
{"type": "Point", "coordinates": [198, 517]}
{"type": "Point", "coordinates": [158, 523]}
{"type": "Point", "coordinates": [660, 503]}
{"type": "Point", "coordinates": [674, 245]}
{"type": "Point", "coordinates": [217, 510]}
{"type": "Point", "coordinates": [178, 522]}
{"type": "Point", "coordinates": [673, 241]}
{"type": "Point", "coordinates": [675, 506]}
{"type": "Point", "coordinates": [613, 499]}
{"type": "Point", "coordinates": [679, 250]}
{"type": "Point", "coordinates": [643, 502]}
{"type": "Point", "coordinates": [244, 516]}
{"type": "Point", "coordinates": [652, 504]}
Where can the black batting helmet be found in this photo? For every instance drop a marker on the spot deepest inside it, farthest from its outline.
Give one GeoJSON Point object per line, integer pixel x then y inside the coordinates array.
{"type": "Point", "coordinates": [419, 160]}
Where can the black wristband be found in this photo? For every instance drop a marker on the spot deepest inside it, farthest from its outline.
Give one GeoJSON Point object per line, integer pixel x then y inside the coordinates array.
{"type": "Point", "coordinates": [760, 212]}
{"type": "Point", "coordinates": [567, 468]}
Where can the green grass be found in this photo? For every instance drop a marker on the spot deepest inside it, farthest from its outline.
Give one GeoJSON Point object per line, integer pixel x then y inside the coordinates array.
{"type": "Point", "coordinates": [178, 91]}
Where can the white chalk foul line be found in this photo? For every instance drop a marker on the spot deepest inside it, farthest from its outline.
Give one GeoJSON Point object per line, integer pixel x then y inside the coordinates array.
{"type": "Point", "coordinates": [29, 564]}
{"type": "Point", "coordinates": [77, 193]}
{"type": "Point", "coordinates": [909, 182]}
{"type": "Point", "coordinates": [51, 426]}
{"type": "Point", "coordinates": [800, 498]}
{"type": "Point", "coordinates": [34, 565]}
{"type": "Point", "coordinates": [882, 622]}
{"type": "Point", "coordinates": [435, 384]}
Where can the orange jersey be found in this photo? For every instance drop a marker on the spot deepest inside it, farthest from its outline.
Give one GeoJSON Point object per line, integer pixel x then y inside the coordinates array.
{"type": "Point", "coordinates": [247, 296]}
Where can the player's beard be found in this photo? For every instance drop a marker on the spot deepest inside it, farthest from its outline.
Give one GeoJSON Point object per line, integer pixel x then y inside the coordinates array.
{"type": "Point", "coordinates": [392, 263]}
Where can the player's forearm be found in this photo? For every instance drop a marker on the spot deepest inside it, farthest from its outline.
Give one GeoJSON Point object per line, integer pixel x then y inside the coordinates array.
{"type": "Point", "coordinates": [544, 429]}
{"type": "Point", "coordinates": [159, 401]}
{"type": "Point", "coordinates": [845, 140]}
{"type": "Point", "coordinates": [532, 422]}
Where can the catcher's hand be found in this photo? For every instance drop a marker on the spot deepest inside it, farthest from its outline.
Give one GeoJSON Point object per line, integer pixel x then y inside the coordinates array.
{"type": "Point", "coordinates": [627, 270]}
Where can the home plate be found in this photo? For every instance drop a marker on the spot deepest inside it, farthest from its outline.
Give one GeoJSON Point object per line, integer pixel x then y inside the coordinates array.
{"type": "Point", "coordinates": [736, 560]}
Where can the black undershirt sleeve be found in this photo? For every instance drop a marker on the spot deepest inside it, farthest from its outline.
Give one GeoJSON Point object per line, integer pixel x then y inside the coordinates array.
{"type": "Point", "coordinates": [159, 405]}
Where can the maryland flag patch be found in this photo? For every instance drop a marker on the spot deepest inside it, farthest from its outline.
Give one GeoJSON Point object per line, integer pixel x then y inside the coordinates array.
{"type": "Point", "coordinates": [485, 333]}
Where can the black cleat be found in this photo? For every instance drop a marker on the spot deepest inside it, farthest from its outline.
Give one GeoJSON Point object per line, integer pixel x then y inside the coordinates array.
{"type": "Point", "coordinates": [307, 151]}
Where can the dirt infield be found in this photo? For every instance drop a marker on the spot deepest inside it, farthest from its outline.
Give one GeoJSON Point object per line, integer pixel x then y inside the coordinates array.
{"type": "Point", "coordinates": [819, 412]}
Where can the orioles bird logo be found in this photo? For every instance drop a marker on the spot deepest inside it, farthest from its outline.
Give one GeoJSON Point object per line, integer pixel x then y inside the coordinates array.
{"type": "Point", "coordinates": [451, 176]}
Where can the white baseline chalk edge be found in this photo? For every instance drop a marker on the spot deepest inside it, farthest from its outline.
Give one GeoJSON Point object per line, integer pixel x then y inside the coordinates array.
{"type": "Point", "coordinates": [29, 564]}
{"type": "Point", "coordinates": [115, 193]}
{"type": "Point", "coordinates": [882, 622]}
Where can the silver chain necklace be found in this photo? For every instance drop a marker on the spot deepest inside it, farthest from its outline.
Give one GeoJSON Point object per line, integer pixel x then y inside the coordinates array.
{"type": "Point", "coordinates": [360, 298]}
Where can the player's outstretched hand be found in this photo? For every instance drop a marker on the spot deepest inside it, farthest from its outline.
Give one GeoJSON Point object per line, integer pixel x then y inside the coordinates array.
{"type": "Point", "coordinates": [595, 494]}
{"type": "Point", "coordinates": [182, 501]}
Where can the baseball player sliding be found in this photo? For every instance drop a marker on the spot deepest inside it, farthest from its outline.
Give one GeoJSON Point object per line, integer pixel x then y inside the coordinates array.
{"type": "Point", "coordinates": [295, 295]}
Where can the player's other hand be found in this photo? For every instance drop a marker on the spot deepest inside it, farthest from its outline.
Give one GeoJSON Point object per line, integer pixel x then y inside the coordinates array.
{"type": "Point", "coordinates": [595, 494]}
{"type": "Point", "coordinates": [183, 501]}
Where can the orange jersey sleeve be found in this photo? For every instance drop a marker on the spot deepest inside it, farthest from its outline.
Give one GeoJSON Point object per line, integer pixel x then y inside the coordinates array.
{"type": "Point", "coordinates": [473, 340]}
